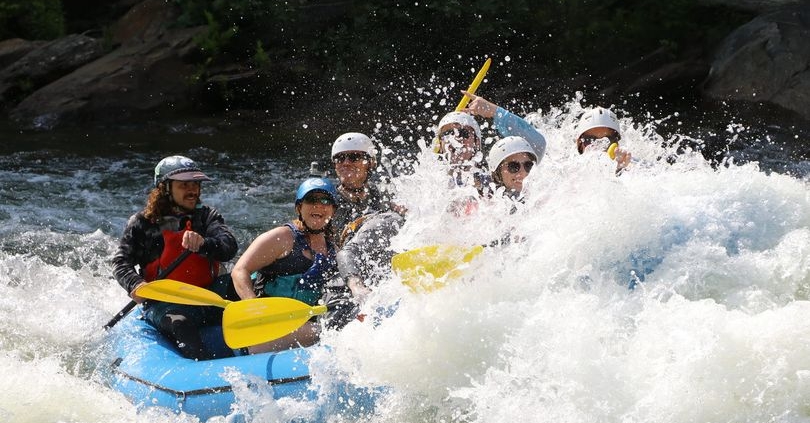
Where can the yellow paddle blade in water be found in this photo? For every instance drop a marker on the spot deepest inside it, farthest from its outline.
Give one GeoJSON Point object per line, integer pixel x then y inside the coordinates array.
{"type": "Point", "coordinates": [259, 320]}
{"type": "Point", "coordinates": [428, 268]}
{"type": "Point", "coordinates": [172, 291]}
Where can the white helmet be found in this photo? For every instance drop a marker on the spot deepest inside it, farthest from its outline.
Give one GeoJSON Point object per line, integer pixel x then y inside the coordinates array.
{"type": "Point", "coordinates": [461, 118]}
{"type": "Point", "coordinates": [354, 141]}
{"type": "Point", "coordinates": [507, 146]}
{"type": "Point", "coordinates": [598, 117]}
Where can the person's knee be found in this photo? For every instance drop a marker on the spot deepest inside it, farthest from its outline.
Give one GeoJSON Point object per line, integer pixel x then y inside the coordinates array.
{"type": "Point", "coordinates": [176, 324]}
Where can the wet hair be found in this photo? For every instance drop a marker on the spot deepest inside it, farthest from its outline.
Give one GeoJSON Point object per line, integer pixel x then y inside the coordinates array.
{"type": "Point", "coordinates": [159, 202]}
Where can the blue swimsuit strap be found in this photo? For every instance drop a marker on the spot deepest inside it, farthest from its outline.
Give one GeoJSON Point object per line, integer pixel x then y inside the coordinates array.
{"type": "Point", "coordinates": [301, 239]}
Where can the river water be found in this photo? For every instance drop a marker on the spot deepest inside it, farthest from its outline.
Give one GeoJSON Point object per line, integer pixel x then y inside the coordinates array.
{"type": "Point", "coordinates": [542, 330]}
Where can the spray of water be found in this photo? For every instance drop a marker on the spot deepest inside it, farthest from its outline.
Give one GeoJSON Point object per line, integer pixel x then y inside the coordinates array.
{"type": "Point", "coordinates": [543, 329]}
{"type": "Point", "coordinates": [674, 292]}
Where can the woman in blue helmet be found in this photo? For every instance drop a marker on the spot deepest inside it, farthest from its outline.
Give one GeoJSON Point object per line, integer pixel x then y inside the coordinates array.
{"type": "Point", "coordinates": [293, 260]}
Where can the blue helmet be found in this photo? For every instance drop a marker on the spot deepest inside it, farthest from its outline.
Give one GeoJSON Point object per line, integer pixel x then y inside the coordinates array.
{"type": "Point", "coordinates": [315, 184]}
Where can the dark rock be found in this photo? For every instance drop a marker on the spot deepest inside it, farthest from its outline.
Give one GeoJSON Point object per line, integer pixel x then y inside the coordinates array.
{"type": "Point", "coordinates": [661, 72]}
{"type": "Point", "coordinates": [47, 62]}
{"type": "Point", "coordinates": [671, 77]}
{"type": "Point", "coordinates": [146, 21]}
{"type": "Point", "coordinates": [149, 75]}
{"type": "Point", "coordinates": [766, 60]}
{"type": "Point", "coordinates": [752, 5]}
{"type": "Point", "coordinates": [13, 49]}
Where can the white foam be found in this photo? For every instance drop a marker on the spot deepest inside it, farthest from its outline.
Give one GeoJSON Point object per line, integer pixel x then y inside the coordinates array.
{"type": "Point", "coordinates": [547, 330]}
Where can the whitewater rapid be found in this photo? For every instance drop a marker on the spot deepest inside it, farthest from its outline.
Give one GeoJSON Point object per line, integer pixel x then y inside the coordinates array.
{"type": "Point", "coordinates": [542, 330]}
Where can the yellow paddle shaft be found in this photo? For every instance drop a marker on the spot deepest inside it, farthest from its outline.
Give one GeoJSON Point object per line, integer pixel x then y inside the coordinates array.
{"type": "Point", "coordinates": [464, 99]}
{"type": "Point", "coordinates": [474, 86]}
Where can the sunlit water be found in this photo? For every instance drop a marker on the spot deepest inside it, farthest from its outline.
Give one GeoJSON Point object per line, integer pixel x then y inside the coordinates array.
{"type": "Point", "coordinates": [542, 330]}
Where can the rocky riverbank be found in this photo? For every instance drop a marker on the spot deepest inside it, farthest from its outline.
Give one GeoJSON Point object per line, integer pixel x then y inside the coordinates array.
{"type": "Point", "coordinates": [145, 69]}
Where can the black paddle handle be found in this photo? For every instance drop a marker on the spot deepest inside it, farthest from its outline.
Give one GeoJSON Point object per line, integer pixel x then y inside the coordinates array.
{"type": "Point", "coordinates": [127, 308]}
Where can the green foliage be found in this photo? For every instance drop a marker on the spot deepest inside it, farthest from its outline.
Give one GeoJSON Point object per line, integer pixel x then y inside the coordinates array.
{"type": "Point", "coordinates": [31, 19]}
{"type": "Point", "coordinates": [367, 35]}
{"type": "Point", "coordinates": [616, 31]}
{"type": "Point", "coordinates": [261, 58]}
{"type": "Point", "coordinates": [381, 38]}
{"type": "Point", "coordinates": [215, 39]}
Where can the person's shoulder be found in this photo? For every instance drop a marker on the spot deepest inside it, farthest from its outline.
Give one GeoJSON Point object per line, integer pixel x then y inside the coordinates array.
{"type": "Point", "coordinates": [379, 217]}
{"type": "Point", "coordinates": [138, 219]}
{"type": "Point", "coordinates": [206, 210]}
{"type": "Point", "coordinates": [377, 194]}
{"type": "Point", "coordinates": [208, 213]}
{"type": "Point", "coordinates": [342, 201]}
{"type": "Point", "coordinates": [391, 218]}
{"type": "Point", "coordinates": [283, 233]}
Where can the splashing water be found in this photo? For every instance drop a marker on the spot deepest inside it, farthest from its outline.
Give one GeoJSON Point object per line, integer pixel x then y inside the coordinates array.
{"type": "Point", "coordinates": [549, 329]}
{"type": "Point", "coordinates": [545, 329]}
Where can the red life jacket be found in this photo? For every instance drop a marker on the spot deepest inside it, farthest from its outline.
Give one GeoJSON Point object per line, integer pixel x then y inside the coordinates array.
{"type": "Point", "coordinates": [194, 269]}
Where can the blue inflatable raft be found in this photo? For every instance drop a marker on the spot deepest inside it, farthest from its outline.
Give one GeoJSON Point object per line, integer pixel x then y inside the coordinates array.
{"type": "Point", "coordinates": [150, 372]}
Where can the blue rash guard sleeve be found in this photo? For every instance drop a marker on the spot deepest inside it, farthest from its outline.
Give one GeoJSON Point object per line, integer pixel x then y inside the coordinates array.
{"type": "Point", "coordinates": [508, 124]}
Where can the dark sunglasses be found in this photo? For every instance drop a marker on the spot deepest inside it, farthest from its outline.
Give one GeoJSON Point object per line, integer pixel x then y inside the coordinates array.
{"type": "Point", "coordinates": [458, 132]}
{"type": "Point", "coordinates": [588, 139]}
{"type": "Point", "coordinates": [324, 201]}
{"type": "Point", "coordinates": [514, 167]}
{"type": "Point", "coordinates": [352, 157]}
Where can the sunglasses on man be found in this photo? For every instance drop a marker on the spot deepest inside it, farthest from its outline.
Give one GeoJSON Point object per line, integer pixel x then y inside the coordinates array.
{"type": "Point", "coordinates": [458, 133]}
{"type": "Point", "coordinates": [350, 157]}
{"type": "Point", "coordinates": [587, 140]}
{"type": "Point", "coordinates": [514, 167]}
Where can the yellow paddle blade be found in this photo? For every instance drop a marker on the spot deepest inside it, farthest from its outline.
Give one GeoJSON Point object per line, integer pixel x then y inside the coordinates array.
{"type": "Point", "coordinates": [258, 320]}
{"type": "Point", "coordinates": [428, 268]}
{"type": "Point", "coordinates": [474, 86]}
{"type": "Point", "coordinates": [172, 291]}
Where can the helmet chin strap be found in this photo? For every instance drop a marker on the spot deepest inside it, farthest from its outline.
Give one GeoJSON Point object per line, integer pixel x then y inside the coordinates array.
{"type": "Point", "coordinates": [167, 192]}
{"type": "Point", "coordinates": [309, 230]}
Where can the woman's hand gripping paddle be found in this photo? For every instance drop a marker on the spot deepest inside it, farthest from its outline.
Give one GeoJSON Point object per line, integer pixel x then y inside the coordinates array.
{"type": "Point", "coordinates": [428, 268]}
{"type": "Point", "coordinates": [244, 323]}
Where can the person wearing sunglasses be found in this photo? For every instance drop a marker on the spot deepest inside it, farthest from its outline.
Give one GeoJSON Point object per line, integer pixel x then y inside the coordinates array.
{"type": "Point", "coordinates": [598, 130]}
{"type": "Point", "coordinates": [294, 260]}
{"type": "Point", "coordinates": [507, 124]}
{"type": "Point", "coordinates": [459, 138]}
{"type": "Point", "coordinates": [355, 159]}
{"type": "Point", "coordinates": [510, 160]}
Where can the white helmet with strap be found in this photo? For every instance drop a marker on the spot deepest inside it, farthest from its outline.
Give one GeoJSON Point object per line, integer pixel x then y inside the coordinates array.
{"type": "Point", "coordinates": [507, 146]}
{"type": "Point", "coordinates": [461, 118]}
{"type": "Point", "coordinates": [598, 117]}
{"type": "Point", "coordinates": [354, 141]}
